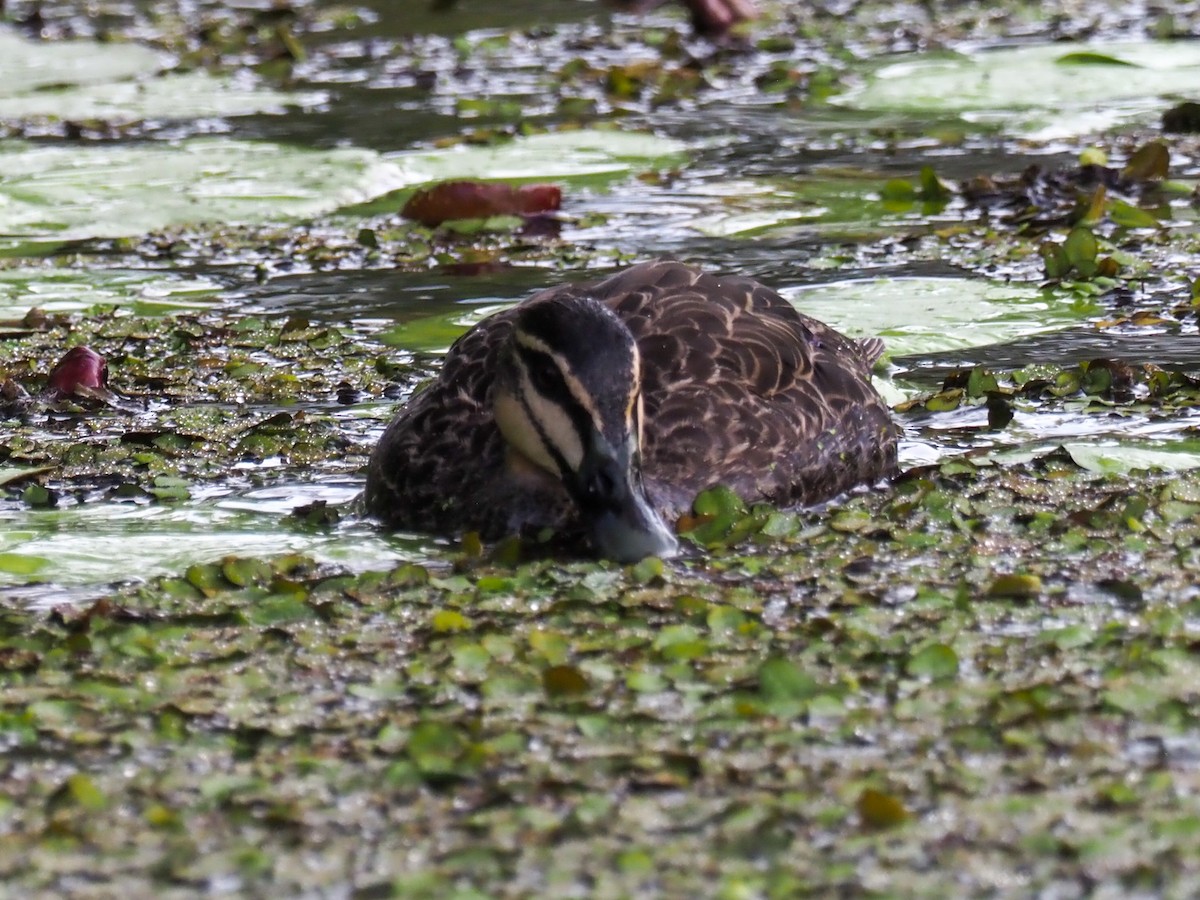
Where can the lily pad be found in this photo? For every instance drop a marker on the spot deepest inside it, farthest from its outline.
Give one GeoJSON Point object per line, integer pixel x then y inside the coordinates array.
{"type": "Point", "coordinates": [1113, 457]}
{"type": "Point", "coordinates": [28, 66]}
{"type": "Point", "coordinates": [1118, 81]}
{"type": "Point", "coordinates": [927, 315]}
{"type": "Point", "coordinates": [104, 543]}
{"type": "Point", "coordinates": [585, 153]}
{"type": "Point", "coordinates": [87, 81]}
{"type": "Point", "coordinates": [72, 290]}
{"type": "Point", "coordinates": [56, 193]}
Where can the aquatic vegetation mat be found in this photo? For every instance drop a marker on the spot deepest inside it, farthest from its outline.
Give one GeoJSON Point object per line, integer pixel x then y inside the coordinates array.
{"type": "Point", "coordinates": [828, 704]}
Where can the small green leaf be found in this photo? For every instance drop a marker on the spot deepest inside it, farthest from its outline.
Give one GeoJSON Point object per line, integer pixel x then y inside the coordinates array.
{"type": "Point", "coordinates": [279, 609]}
{"type": "Point", "coordinates": [1129, 216]}
{"type": "Point", "coordinates": [1081, 247]}
{"type": "Point", "coordinates": [22, 563]}
{"type": "Point", "coordinates": [170, 487]}
{"type": "Point", "coordinates": [648, 570]}
{"type": "Point", "coordinates": [937, 661]}
{"type": "Point", "coordinates": [550, 646]}
{"type": "Point", "coordinates": [85, 792]}
{"type": "Point", "coordinates": [435, 748]}
{"type": "Point", "coordinates": [780, 679]}
{"type": "Point", "coordinates": [719, 501]}
{"type": "Point", "coordinates": [897, 191]}
{"type": "Point", "coordinates": [243, 572]}
{"type": "Point", "coordinates": [445, 621]}
{"type": "Point", "coordinates": [1092, 58]}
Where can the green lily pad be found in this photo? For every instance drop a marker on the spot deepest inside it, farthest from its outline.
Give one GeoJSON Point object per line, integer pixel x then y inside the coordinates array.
{"type": "Point", "coordinates": [74, 290]}
{"type": "Point", "coordinates": [27, 66]}
{"type": "Point", "coordinates": [928, 315]}
{"type": "Point", "coordinates": [1050, 81]}
{"type": "Point", "coordinates": [1124, 457]}
{"type": "Point", "coordinates": [579, 154]}
{"type": "Point", "coordinates": [88, 81]}
{"type": "Point", "coordinates": [51, 194]}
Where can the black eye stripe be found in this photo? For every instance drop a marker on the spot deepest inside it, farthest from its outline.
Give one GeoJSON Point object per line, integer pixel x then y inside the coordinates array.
{"type": "Point", "coordinates": [543, 372]}
{"type": "Point", "coordinates": [547, 380]}
{"type": "Point", "coordinates": [544, 375]}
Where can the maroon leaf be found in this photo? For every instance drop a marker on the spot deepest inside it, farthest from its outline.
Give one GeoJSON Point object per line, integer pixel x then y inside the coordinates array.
{"type": "Point", "coordinates": [479, 200]}
{"type": "Point", "coordinates": [80, 371]}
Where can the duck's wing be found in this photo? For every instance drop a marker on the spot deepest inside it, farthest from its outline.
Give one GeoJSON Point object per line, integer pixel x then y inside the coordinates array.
{"type": "Point", "coordinates": [742, 389]}
{"type": "Point", "coordinates": [434, 466]}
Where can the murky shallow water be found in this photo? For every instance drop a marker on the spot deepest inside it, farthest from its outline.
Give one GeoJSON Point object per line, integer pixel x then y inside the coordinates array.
{"type": "Point", "coordinates": [783, 192]}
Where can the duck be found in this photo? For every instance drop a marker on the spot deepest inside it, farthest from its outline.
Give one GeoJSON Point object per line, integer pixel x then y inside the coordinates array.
{"type": "Point", "coordinates": [600, 409]}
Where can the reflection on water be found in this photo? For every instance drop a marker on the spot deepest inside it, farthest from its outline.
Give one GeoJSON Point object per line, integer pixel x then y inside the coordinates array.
{"type": "Point", "coordinates": [1180, 352]}
{"type": "Point", "coordinates": [105, 543]}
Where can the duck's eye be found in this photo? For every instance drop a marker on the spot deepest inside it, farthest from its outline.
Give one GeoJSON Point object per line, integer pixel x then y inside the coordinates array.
{"type": "Point", "coordinates": [543, 374]}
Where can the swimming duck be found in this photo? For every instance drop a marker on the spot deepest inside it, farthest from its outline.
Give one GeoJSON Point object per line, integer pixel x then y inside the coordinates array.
{"type": "Point", "coordinates": [600, 409]}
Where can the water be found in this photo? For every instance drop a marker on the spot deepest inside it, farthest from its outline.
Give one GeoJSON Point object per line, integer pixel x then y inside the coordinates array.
{"type": "Point", "coordinates": [779, 188]}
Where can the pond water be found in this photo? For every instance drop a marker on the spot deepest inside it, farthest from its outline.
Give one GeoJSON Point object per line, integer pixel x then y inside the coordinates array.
{"type": "Point", "coordinates": [720, 162]}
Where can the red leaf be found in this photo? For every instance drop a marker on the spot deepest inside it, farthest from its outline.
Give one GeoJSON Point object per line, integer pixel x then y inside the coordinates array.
{"type": "Point", "coordinates": [479, 200]}
{"type": "Point", "coordinates": [80, 367]}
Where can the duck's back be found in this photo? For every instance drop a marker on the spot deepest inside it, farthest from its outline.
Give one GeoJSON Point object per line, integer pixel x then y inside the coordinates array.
{"type": "Point", "coordinates": [741, 389]}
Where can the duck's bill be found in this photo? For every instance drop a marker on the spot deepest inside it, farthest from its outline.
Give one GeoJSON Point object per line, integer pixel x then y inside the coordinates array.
{"type": "Point", "coordinates": [632, 531]}
{"type": "Point", "coordinates": [608, 489]}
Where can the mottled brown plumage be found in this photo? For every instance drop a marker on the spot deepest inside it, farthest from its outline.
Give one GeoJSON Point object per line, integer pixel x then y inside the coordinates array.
{"type": "Point", "coordinates": [738, 388]}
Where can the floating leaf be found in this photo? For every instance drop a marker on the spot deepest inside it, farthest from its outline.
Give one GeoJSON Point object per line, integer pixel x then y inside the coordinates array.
{"type": "Point", "coordinates": [55, 193]}
{"type": "Point", "coordinates": [880, 810]}
{"type": "Point", "coordinates": [1081, 249]}
{"type": "Point", "coordinates": [208, 578]}
{"type": "Point", "coordinates": [435, 748]}
{"type": "Point", "coordinates": [241, 571]}
{"type": "Point", "coordinates": [170, 487]}
{"type": "Point", "coordinates": [479, 200]}
{"type": "Point", "coordinates": [448, 620]}
{"type": "Point", "coordinates": [1129, 456]}
{"type": "Point", "coordinates": [86, 793]}
{"type": "Point", "coordinates": [564, 681]}
{"type": "Point", "coordinates": [22, 563]}
{"type": "Point", "coordinates": [933, 189]}
{"type": "Point", "coordinates": [1092, 58]}
{"type": "Point", "coordinates": [780, 679]}
{"type": "Point", "coordinates": [550, 646]}
{"type": "Point", "coordinates": [1128, 216]}
{"type": "Point", "coordinates": [936, 661]}
{"type": "Point", "coordinates": [1150, 162]}
{"type": "Point", "coordinates": [1017, 587]}
{"type": "Point", "coordinates": [898, 191]}
{"type": "Point", "coordinates": [36, 495]}
{"type": "Point", "coordinates": [647, 570]}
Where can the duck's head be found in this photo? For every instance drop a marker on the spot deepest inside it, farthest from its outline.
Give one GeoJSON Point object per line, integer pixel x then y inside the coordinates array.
{"type": "Point", "coordinates": [568, 400]}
